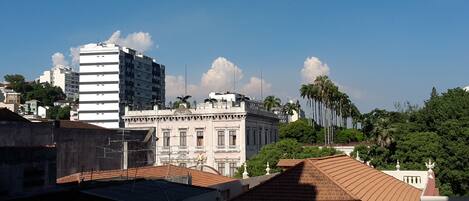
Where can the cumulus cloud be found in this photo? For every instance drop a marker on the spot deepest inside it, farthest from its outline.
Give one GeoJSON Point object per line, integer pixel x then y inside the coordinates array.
{"type": "Point", "coordinates": [75, 55]}
{"type": "Point", "coordinates": [253, 87]}
{"type": "Point", "coordinates": [58, 59]}
{"type": "Point", "coordinates": [312, 68]}
{"type": "Point", "coordinates": [218, 78]}
{"type": "Point", "coordinates": [175, 86]}
{"type": "Point", "coordinates": [140, 41]}
{"type": "Point", "coordinates": [220, 75]}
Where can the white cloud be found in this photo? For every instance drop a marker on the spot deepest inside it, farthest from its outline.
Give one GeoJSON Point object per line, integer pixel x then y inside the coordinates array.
{"type": "Point", "coordinates": [312, 68]}
{"type": "Point", "coordinates": [175, 86]}
{"type": "Point", "coordinates": [253, 87]}
{"type": "Point", "coordinates": [140, 41]}
{"type": "Point", "coordinates": [75, 55]}
{"type": "Point", "coordinates": [220, 76]}
{"type": "Point", "coordinates": [58, 59]}
{"type": "Point", "coordinates": [354, 93]}
{"type": "Point", "coordinates": [466, 88]}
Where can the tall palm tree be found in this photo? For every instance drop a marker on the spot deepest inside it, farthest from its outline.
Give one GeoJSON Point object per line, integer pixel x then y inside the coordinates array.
{"type": "Point", "coordinates": [331, 107]}
{"type": "Point", "coordinates": [182, 99]}
{"type": "Point", "coordinates": [290, 108]}
{"type": "Point", "coordinates": [383, 132]}
{"type": "Point", "coordinates": [271, 102]}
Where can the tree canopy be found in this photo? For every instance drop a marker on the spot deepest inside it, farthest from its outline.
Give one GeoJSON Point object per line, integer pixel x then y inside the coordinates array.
{"type": "Point", "coordinates": [283, 149]}
{"type": "Point", "coordinates": [45, 93]}
{"type": "Point", "coordinates": [271, 102]}
{"type": "Point", "coordinates": [438, 131]}
{"type": "Point", "coordinates": [299, 130]}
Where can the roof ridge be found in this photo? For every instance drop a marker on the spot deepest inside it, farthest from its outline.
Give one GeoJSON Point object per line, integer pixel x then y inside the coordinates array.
{"type": "Point", "coordinates": [266, 181]}
{"type": "Point", "coordinates": [373, 169]}
{"type": "Point", "coordinates": [326, 157]}
{"type": "Point", "coordinates": [333, 181]}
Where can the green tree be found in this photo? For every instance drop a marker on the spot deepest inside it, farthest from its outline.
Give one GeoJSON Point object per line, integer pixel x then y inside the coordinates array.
{"type": "Point", "coordinates": [349, 135]}
{"type": "Point", "coordinates": [16, 82]}
{"type": "Point", "coordinates": [414, 149]}
{"type": "Point", "coordinates": [45, 93]}
{"type": "Point", "coordinates": [434, 93]}
{"type": "Point", "coordinates": [271, 102]}
{"type": "Point", "coordinates": [59, 113]}
{"type": "Point", "coordinates": [299, 130]}
{"type": "Point", "coordinates": [290, 108]}
{"type": "Point", "coordinates": [283, 149]}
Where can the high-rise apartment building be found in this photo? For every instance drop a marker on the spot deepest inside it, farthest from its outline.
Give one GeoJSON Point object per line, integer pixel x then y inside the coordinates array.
{"type": "Point", "coordinates": [63, 77]}
{"type": "Point", "coordinates": [112, 77]}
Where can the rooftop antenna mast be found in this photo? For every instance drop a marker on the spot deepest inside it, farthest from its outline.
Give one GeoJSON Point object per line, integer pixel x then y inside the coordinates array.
{"type": "Point", "coordinates": [262, 95]}
{"type": "Point", "coordinates": [234, 78]}
{"type": "Point", "coordinates": [185, 80]}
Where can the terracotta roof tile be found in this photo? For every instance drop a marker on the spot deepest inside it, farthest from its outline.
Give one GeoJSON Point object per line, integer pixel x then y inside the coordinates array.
{"type": "Point", "coordinates": [199, 178]}
{"type": "Point", "coordinates": [332, 178]}
{"type": "Point", "coordinates": [287, 163]}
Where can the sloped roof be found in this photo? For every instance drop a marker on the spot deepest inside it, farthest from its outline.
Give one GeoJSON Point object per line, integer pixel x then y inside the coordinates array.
{"type": "Point", "coordinates": [147, 190]}
{"type": "Point", "coordinates": [199, 178]}
{"type": "Point", "coordinates": [7, 115]}
{"type": "Point", "coordinates": [287, 163]}
{"type": "Point", "coordinates": [336, 177]}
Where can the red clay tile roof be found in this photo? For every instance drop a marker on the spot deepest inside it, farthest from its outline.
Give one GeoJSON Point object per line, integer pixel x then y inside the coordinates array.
{"type": "Point", "coordinates": [287, 163]}
{"type": "Point", "coordinates": [199, 178]}
{"type": "Point", "coordinates": [332, 178]}
{"type": "Point", "coordinates": [431, 189]}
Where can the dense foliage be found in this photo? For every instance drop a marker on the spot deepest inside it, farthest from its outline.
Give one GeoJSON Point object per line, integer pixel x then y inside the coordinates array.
{"type": "Point", "coordinates": [303, 132]}
{"type": "Point", "coordinates": [438, 131]}
{"type": "Point", "coordinates": [331, 108]}
{"type": "Point", "coordinates": [44, 93]}
{"type": "Point", "coordinates": [59, 113]}
{"type": "Point", "coordinates": [299, 130]}
{"type": "Point", "coordinates": [283, 149]}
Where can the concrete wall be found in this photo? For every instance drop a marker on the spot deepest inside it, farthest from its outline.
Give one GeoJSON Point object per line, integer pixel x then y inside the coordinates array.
{"type": "Point", "coordinates": [26, 169]}
{"type": "Point", "coordinates": [80, 149]}
{"type": "Point", "coordinates": [25, 134]}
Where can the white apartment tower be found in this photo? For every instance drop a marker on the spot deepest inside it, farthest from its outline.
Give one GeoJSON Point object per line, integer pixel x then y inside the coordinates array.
{"type": "Point", "coordinates": [112, 77]}
{"type": "Point", "coordinates": [63, 77]}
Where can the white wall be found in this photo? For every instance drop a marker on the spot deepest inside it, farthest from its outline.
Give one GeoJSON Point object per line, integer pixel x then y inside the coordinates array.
{"type": "Point", "coordinates": [99, 68]}
{"type": "Point", "coordinates": [98, 116]}
{"type": "Point", "coordinates": [98, 106]}
{"type": "Point", "coordinates": [99, 87]}
{"type": "Point", "coordinates": [99, 78]}
{"type": "Point", "coordinates": [99, 58]}
{"type": "Point", "coordinates": [210, 120]}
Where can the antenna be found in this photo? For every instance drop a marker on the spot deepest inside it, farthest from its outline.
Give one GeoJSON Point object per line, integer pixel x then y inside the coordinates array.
{"type": "Point", "coordinates": [262, 95]}
{"type": "Point", "coordinates": [234, 78]}
{"type": "Point", "coordinates": [185, 80]}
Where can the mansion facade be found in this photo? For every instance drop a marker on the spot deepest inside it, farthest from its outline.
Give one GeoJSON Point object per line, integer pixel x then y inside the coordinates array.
{"type": "Point", "coordinates": [220, 135]}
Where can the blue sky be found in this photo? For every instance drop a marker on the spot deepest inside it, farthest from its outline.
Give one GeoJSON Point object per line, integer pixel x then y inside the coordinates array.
{"type": "Point", "coordinates": [379, 52]}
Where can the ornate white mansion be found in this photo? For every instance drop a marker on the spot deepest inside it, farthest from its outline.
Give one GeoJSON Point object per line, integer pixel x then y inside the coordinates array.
{"type": "Point", "coordinates": [220, 133]}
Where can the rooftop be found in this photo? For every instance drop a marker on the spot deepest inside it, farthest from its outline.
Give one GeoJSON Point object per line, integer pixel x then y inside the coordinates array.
{"type": "Point", "coordinates": [199, 178]}
{"type": "Point", "coordinates": [336, 177]}
{"type": "Point", "coordinates": [148, 190]}
{"type": "Point", "coordinates": [7, 115]}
